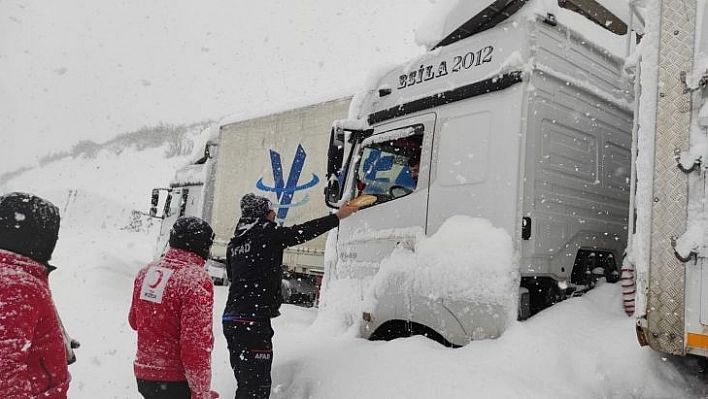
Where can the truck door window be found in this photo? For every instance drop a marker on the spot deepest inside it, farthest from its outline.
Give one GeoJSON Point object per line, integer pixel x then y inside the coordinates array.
{"type": "Point", "coordinates": [168, 207]}
{"type": "Point", "coordinates": [389, 168]}
{"type": "Point", "coordinates": [175, 203]}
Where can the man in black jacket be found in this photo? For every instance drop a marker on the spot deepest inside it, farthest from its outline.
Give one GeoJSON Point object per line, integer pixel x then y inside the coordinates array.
{"type": "Point", "coordinates": [254, 259]}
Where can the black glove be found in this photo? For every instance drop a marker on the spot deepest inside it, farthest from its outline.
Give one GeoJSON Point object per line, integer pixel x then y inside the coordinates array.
{"type": "Point", "coordinates": [70, 355]}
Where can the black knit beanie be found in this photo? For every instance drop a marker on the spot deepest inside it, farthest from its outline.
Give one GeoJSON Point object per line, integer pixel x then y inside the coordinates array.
{"type": "Point", "coordinates": [192, 234]}
{"type": "Point", "coordinates": [254, 206]}
{"type": "Point", "coordinates": [29, 225]}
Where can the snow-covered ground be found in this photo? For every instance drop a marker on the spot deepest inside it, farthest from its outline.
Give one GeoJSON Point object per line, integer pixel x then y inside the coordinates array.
{"type": "Point", "coordinates": [582, 348]}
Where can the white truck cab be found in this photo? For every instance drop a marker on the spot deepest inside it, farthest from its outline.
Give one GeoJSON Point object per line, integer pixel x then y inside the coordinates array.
{"type": "Point", "coordinates": [522, 116]}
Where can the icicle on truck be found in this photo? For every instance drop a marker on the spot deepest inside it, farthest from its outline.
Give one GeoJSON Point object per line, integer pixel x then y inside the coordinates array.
{"type": "Point", "coordinates": [522, 116]}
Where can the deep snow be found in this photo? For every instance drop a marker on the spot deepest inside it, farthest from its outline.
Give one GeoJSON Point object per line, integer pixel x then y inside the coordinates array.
{"type": "Point", "coordinates": [583, 348]}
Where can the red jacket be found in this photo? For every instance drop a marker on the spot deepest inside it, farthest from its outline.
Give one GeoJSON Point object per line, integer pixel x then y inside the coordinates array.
{"type": "Point", "coordinates": [32, 353]}
{"type": "Point", "coordinates": [172, 311]}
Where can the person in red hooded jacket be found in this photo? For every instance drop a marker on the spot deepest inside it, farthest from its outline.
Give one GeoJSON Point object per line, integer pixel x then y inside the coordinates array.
{"type": "Point", "coordinates": [172, 310]}
{"type": "Point", "coordinates": [33, 357]}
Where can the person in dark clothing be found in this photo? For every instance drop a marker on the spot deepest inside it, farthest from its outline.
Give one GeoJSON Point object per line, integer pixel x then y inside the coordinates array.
{"type": "Point", "coordinates": [254, 257]}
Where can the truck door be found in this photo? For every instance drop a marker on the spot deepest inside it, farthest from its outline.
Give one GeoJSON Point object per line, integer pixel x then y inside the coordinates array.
{"type": "Point", "coordinates": [702, 263]}
{"type": "Point", "coordinates": [700, 97]}
{"type": "Point", "coordinates": [704, 292]}
{"type": "Point", "coordinates": [476, 168]}
{"type": "Point", "coordinates": [669, 307]}
{"type": "Point", "coordinates": [392, 165]}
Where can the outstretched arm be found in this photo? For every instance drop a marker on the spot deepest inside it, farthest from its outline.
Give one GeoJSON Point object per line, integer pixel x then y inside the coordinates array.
{"type": "Point", "coordinates": [300, 233]}
{"type": "Point", "coordinates": [307, 231]}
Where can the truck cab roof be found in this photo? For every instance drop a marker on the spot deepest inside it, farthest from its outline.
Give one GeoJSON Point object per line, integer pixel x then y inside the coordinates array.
{"type": "Point", "coordinates": [464, 55]}
{"type": "Point", "coordinates": [458, 24]}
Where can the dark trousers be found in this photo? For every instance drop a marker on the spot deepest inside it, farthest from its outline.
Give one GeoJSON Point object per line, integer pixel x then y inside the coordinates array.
{"type": "Point", "coordinates": [251, 353]}
{"type": "Point", "coordinates": [164, 389]}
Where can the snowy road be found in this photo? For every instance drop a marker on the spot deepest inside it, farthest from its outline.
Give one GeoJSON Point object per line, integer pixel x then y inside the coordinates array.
{"type": "Point", "coordinates": [582, 348]}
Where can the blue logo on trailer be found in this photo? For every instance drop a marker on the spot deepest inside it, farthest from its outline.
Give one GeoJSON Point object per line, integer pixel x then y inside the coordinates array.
{"type": "Point", "coordinates": [284, 191]}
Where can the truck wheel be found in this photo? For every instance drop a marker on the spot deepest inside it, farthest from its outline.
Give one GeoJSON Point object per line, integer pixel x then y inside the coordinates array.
{"type": "Point", "coordinates": [612, 274]}
{"type": "Point", "coordinates": [612, 269]}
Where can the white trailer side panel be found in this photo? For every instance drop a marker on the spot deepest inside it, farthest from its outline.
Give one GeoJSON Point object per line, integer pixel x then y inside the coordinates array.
{"type": "Point", "coordinates": [248, 153]}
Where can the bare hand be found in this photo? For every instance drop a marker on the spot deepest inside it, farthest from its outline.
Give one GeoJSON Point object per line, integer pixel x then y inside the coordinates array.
{"type": "Point", "coordinates": [346, 210]}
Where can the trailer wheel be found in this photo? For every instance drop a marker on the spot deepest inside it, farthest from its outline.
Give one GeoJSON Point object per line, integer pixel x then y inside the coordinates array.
{"type": "Point", "coordinates": [612, 275]}
{"type": "Point", "coordinates": [543, 292]}
{"type": "Point", "coordinates": [612, 269]}
{"type": "Point", "coordinates": [590, 265]}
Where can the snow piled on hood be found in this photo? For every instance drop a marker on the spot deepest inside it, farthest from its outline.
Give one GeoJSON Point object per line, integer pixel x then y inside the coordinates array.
{"type": "Point", "coordinates": [468, 258]}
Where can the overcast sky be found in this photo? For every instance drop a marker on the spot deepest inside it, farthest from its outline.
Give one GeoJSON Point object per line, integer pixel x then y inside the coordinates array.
{"type": "Point", "coordinates": [84, 69]}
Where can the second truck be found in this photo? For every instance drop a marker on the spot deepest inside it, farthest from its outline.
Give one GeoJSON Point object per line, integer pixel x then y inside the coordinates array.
{"type": "Point", "coordinates": [281, 156]}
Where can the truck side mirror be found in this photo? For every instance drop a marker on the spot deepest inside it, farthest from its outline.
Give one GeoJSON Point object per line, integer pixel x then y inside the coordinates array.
{"type": "Point", "coordinates": [335, 158]}
{"type": "Point", "coordinates": [338, 162]}
{"type": "Point", "coordinates": [333, 193]}
{"type": "Point", "coordinates": [335, 152]}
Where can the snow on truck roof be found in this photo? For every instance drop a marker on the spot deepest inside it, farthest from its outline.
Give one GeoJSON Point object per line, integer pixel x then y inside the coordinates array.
{"type": "Point", "coordinates": [455, 20]}
{"type": "Point", "coordinates": [278, 108]}
{"type": "Point", "coordinates": [450, 23]}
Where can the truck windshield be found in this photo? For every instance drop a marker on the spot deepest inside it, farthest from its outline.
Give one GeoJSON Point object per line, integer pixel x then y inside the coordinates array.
{"type": "Point", "coordinates": [175, 203]}
{"type": "Point", "coordinates": [389, 168]}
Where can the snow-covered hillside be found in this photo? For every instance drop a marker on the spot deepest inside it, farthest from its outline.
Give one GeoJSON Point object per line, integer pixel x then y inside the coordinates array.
{"type": "Point", "coordinates": [582, 348]}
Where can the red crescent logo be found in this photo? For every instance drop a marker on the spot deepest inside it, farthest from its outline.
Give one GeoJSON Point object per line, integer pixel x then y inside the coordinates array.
{"type": "Point", "coordinates": [158, 280]}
